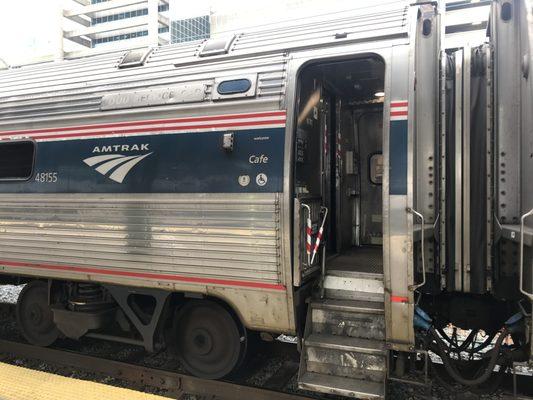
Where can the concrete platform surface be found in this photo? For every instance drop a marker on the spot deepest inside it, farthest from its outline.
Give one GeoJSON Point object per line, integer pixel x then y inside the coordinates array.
{"type": "Point", "coordinates": [18, 383]}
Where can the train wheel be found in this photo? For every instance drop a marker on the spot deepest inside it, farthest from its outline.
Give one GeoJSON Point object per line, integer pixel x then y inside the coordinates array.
{"type": "Point", "coordinates": [34, 316]}
{"type": "Point", "coordinates": [209, 342]}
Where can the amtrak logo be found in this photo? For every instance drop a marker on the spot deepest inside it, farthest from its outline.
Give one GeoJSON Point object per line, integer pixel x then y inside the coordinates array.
{"type": "Point", "coordinates": [115, 166]}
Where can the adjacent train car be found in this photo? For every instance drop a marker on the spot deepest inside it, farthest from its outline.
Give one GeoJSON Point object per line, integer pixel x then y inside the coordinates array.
{"type": "Point", "coordinates": [351, 180]}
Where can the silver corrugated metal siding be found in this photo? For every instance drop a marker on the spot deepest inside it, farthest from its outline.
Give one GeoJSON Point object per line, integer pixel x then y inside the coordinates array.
{"type": "Point", "coordinates": [75, 87]}
{"type": "Point", "coordinates": [217, 239]}
{"type": "Point", "coordinates": [202, 235]}
{"type": "Point", "coordinates": [74, 92]}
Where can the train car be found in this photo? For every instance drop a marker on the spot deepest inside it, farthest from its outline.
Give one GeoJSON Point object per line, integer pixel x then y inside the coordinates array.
{"type": "Point", "coordinates": [350, 180]}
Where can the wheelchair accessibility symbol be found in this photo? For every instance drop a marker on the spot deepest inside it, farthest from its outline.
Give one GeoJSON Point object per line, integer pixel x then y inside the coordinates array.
{"type": "Point", "coordinates": [261, 179]}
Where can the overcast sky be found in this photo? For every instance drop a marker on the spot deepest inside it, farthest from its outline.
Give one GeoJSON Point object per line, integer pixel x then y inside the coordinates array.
{"type": "Point", "coordinates": [34, 31]}
{"type": "Point", "coordinates": [28, 33]}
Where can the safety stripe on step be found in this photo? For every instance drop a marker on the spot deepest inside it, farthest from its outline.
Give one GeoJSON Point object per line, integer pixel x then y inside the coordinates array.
{"type": "Point", "coordinates": [399, 299]}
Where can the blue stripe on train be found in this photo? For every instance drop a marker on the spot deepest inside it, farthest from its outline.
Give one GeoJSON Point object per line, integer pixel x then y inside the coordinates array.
{"type": "Point", "coordinates": [179, 163]}
{"type": "Point", "coordinates": [398, 157]}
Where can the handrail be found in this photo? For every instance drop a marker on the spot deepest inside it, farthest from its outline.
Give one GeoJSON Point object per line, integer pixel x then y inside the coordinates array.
{"type": "Point", "coordinates": [416, 286]}
{"type": "Point", "coordinates": [522, 219]}
{"type": "Point", "coordinates": [315, 251]}
{"type": "Point", "coordinates": [323, 272]}
{"type": "Point", "coordinates": [320, 233]}
{"type": "Point", "coordinates": [307, 233]}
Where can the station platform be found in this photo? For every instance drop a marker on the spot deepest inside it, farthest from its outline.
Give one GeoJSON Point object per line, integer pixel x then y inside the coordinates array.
{"type": "Point", "coordinates": [18, 383]}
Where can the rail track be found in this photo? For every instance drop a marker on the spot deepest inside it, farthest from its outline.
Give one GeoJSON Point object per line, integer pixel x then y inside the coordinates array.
{"type": "Point", "coordinates": [176, 385]}
{"type": "Point", "coordinates": [166, 382]}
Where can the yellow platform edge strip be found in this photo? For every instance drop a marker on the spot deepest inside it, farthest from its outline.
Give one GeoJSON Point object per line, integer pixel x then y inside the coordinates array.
{"type": "Point", "coordinates": [18, 383]}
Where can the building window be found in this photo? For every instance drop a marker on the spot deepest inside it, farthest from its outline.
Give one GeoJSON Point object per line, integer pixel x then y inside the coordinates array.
{"type": "Point", "coordinates": [115, 38]}
{"type": "Point", "coordinates": [16, 159]}
{"type": "Point", "coordinates": [124, 15]}
{"type": "Point", "coordinates": [186, 30]}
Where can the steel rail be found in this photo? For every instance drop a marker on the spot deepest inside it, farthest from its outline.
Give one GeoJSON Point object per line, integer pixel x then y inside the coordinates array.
{"type": "Point", "coordinates": [177, 384]}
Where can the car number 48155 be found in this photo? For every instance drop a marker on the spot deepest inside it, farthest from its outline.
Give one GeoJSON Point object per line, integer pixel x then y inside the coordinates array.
{"type": "Point", "coordinates": [46, 177]}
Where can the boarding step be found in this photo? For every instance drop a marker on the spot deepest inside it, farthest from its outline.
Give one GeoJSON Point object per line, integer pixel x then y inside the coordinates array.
{"type": "Point", "coordinates": [346, 357]}
{"type": "Point", "coordinates": [348, 387]}
{"type": "Point", "coordinates": [345, 343]}
{"type": "Point", "coordinates": [369, 288]}
{"type": "Point", "coordinates": [364, 325]}
{"type": "Point", "coordinates": [354, 274]}
{"type": "Point", "coordinates": [344, 350]}
{"type": "Point", "coordinates": [356, 306]}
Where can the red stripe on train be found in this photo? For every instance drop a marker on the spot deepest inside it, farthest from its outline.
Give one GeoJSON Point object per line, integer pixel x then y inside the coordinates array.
{"type": "Point", "coordinates": [159, 129]}
{"type": "Point", "coordinates": [146, 275]}
{"type": "Point", "coordinates": [399, 299]}
{"type": "Point", "coordinates": [148, 122]}
{"type": "Point", "coordinates": [398, 113]}
{"type": "Point", "coordinates": [399, 103]}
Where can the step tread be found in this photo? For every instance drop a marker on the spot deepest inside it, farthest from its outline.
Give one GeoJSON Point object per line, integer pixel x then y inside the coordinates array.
{"type": "Point", "coordinates": [346, 343]}
{"type": "Point", "coordinates": [354, 274]}
{"type": "Point", "coordinates": [357, 283]}
{"type": "Point", "coordinates": [356, 388]}
{"type": "Point", "coordinates": [336, 294]}
{"type": "Point", "coordinates": [373, 307]}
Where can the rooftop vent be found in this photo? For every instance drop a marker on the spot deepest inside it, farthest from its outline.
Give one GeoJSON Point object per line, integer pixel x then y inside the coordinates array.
{"type": "Point", "coordinates": [216, 46]}
{"type": "Point", "coordinates": [135, 58]}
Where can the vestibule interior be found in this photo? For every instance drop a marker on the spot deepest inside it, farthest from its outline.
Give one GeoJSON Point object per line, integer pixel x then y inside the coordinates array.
{"type": "Point", "coordinates": [338, 158]}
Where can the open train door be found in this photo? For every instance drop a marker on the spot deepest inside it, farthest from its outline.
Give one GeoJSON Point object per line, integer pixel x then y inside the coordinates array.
{"type": "Point", "coordinates": [511, 36]}
{"type": "Point", "coordinates": [412, 153]}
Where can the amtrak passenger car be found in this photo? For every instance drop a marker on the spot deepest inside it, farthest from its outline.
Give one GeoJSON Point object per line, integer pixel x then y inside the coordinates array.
{"type": "Point", "coordinates": [307, 180]}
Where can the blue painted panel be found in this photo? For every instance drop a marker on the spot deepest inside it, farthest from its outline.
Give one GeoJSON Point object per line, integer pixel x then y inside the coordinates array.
{"type": "Point", "coordinates": [398, 157]}
{"type": "Point", "coordinates": [171, 163]}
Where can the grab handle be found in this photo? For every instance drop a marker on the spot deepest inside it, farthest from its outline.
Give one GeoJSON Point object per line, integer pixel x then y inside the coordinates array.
{"type": "Point", "coordinates": [308, 232]}
{"type": "Point", "coordinates": [412, 288]}
{"type": "Point", "coordinates": [522, 219]}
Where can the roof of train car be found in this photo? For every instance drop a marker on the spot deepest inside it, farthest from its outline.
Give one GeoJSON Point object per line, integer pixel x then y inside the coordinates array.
{"type": "Point", "coordinates": [77, 86]}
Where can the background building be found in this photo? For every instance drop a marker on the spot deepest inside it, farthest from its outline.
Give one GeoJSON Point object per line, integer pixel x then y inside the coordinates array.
{"type": "Point", "coordinates": [103, 25]}
{"type": "Point", "coordinates": [234, 15]}
{"type": "Point", "coordinates": [191, 22]}
{"type": "Point", "coordinates": [80, 27]}
{"type": "Point", "coordinates": [193, 28]}
{"type": "Point", "coordinates": [207, 18]}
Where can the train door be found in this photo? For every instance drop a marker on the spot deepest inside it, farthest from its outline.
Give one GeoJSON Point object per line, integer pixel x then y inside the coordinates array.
{"type": "Point", "coordinates": [511, 36]}
{"type": "Point", "coordinates": [367, 172]}
{"type": "Point", "coordinates": [339, 163]}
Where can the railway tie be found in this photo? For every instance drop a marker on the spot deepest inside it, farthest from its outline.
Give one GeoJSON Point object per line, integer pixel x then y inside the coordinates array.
{"type": "Point", "coordinates": [177, 385]}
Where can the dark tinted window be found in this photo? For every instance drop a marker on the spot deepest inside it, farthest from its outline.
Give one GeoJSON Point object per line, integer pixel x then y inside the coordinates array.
{"type": "Point", "coordinates": [234, 86]}
{"type": "Point", "coordinates": [376, 168]}
{"type": "Point", "coordinates": [507, 11]}
{"type": "Point", "coordinates": [16, 159]}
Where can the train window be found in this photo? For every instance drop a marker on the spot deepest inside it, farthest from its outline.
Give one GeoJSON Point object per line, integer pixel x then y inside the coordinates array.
{"type": "Point", "coordinates": [376, 168]}
{"type": "Point", "coordinates": [234, 86]}
{"type": "Point", "coordinates": [16, 159]}
{"type": "Point", "coordinates": [507, 11]}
